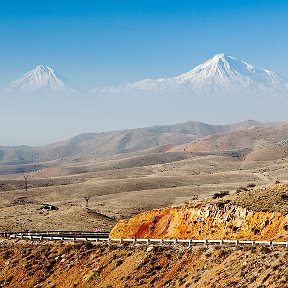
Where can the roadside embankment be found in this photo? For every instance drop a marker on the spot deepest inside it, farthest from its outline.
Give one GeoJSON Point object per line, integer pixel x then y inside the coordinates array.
{"type": "Point", "coordinates": [46, 265]}
{"type": "Point", "coordinates": [224, 219]}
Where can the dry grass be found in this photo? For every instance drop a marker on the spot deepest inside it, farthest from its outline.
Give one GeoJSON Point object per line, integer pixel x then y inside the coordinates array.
{"type": "Point", "coordinates": [122, 193]}
{"type": "Point", "coordinates": [80, 265]}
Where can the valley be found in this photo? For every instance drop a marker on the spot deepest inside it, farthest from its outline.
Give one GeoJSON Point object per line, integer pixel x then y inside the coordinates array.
{"type": "Point", "coordinates": [229, 182]}
{"type": "Point", "coordinates": [123, 185]}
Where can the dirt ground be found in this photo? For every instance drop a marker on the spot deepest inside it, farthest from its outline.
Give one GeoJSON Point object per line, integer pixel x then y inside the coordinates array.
{"type": "Point", "coordinates": [34, 264]}
{"type": "Point", "coordinates": [122, 186]}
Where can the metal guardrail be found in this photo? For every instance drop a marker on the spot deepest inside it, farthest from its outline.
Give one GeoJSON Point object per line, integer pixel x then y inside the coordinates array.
{"type": "Point", "coordinates": [93, 237]}
{"type": "Point", "coordinates": [56, 232]}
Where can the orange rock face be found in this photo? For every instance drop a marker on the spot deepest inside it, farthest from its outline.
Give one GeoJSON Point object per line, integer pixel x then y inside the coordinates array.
{"type": "Point", "coordinates": [214, 221]}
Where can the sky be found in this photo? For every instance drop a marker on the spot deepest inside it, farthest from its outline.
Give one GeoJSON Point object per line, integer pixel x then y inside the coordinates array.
{"type": "Point", "coordinates": [100, 43]}
{"type": "Point", "coordinates": [103, 43]}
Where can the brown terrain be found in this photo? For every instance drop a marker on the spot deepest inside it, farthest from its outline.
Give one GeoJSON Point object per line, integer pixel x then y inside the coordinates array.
{"type": "Point", "coordinates": [26, 264]}
{"type": "Point", "coordinates": [248, 214]}
{"type": "Point", "coordinates": [219, 186]}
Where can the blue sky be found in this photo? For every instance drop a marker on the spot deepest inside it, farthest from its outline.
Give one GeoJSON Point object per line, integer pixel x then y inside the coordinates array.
{"type": "Point", "coordinates": [99, 43]}
{"type": "Point", "coordinates": [102, 43]}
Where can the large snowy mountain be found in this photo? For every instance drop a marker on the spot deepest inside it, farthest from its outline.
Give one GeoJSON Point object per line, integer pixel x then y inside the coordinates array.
{"type": "Point", "coordinates": [42, 79]}
{"type": "Point", "coordinates": [220, 74]}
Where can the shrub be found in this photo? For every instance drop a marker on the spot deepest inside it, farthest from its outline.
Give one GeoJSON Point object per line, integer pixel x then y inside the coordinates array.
{"type": "Point", "coordinates": [93, 275]}
{"type": "Point", "coordinates": [220, 194]}
{"type": "Point", "coordinates": [119, 262]}
{"type": "Point", "coordinates": [241, 189]}
{"type": "Point", "coordinates": [251, 185]}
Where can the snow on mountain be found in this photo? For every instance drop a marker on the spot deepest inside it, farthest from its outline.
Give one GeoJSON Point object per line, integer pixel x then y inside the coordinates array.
{"type": "Point", "coordinates": [220, 74]}
{"type": "Point", "coordinates": [42, 79]}
{"type": "Point", "coordinates": [223, 72]}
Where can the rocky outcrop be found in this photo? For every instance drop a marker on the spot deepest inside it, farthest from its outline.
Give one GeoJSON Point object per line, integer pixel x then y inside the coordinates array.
{"type": "Point", "coordinates": [213, 221]}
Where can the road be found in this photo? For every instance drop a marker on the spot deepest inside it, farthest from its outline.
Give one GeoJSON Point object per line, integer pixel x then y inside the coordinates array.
{"type": "Point", "coordinates": [58, 235]}
{"type": "Point", "coordinates": [104, 237]}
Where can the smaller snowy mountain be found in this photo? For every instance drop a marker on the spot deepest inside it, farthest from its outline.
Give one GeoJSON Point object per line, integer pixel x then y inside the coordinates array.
{"type": "Point", "coordinates": [219, 75]}
{"type": "Point", "coordinates": [42, 79]}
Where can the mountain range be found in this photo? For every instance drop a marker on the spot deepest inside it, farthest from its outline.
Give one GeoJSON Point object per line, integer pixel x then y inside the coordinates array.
{"type": "Point", "coordinates": [93, 145]}
{"type": "Point", "coordinates": [221, 90]}
{"type": "Point", "coordinates": [219, 75]}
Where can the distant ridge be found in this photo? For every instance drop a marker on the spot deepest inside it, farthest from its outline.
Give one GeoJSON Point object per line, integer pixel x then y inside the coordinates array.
{"type": "Point", "coordinates": [253, 140]}
{"type": "Point", "coordinates": [90, 145]}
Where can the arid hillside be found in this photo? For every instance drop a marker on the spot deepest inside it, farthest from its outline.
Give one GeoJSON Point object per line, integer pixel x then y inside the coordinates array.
{"type": "Point", "coordinates": [251, 140]}
{"type": "Point", "coordinates": [93, 145]}
{"type": "Point", "coordinates": [122, 190]}
{"type": "Point", "coordinates": [249, 214]}
{"type": "Point", "coordinates": [272, 152]}
{"type": "Point", "coordinates": [236, 192]}
{"type": "Point", "coordinates": [45, 265]}
{"type": "Point", "coordinates": [197, 196]}
{"type": "Point", "coordinates": [121, 186]}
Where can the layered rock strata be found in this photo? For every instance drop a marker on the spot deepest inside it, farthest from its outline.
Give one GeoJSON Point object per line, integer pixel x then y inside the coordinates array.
{"type": "Point", "coordinates": [213, 221]}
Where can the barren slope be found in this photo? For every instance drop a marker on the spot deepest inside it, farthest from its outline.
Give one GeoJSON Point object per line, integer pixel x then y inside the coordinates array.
{"type": "Point", "coordinates": [92, 145]}
{"type": "Point", "coordinates": [84, 265]}
{"type": "Point", "coordinates": [255, 214]}
{"type": "Point", "coordinates": [123, 192]}
{"type": "Point", "coordinates": [273, 152]}
{"type": "Point", "coordinates": [249, 139]}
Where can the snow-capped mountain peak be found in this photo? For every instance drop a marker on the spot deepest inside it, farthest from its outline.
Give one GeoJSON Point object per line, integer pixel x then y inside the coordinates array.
{"type": "Point", "coordinates": [219, 74]}
{"type": "Point", "coordinates": [42, 79]}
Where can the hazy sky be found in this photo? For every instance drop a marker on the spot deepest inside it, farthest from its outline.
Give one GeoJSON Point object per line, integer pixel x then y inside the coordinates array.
{"type": "Point", "coordinates": [102, 43]}
{"type": "Point", "coordinates": [99, 43]}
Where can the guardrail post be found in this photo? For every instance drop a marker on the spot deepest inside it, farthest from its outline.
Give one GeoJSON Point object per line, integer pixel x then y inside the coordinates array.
{"type": "Point", "coordinates": [32, 236]}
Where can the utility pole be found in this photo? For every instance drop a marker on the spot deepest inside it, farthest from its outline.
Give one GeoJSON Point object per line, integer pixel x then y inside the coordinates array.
{"type": "Point", "coordinates": [87, 200]}
{"type": "Point", "coordinates": [26, 183]}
